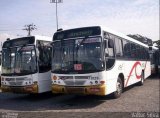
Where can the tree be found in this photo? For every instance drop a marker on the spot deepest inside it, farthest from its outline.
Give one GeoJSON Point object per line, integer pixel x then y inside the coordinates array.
{"type": "Point", "coordinates": [141, 38]}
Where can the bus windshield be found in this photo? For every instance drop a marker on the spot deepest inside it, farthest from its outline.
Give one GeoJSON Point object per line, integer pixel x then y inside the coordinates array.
{"type": "Point", "coordinates": [19, 60]}
{"type": "Point", "coordinates": [77, 55]}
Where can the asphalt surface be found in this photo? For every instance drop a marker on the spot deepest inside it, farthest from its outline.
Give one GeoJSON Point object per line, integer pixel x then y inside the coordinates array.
{"type": "Point", "coordinates": [134, 99]}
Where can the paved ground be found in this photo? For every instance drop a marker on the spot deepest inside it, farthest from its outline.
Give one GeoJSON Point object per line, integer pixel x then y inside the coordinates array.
{"type": "Point", "coordinates": [135, 99]}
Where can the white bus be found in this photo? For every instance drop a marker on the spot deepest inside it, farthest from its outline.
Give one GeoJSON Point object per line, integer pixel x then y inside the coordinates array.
{"type": "Point", "coordinates": [96, 60]}
{"type": "Point", "coordinates": [26, 65]}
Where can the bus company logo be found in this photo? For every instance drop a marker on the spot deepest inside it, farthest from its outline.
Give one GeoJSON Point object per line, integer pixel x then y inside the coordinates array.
{"type": "Point", "coordinates": [132, 70]}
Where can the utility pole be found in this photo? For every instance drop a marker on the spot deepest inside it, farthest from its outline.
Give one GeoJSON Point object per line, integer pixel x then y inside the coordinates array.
{"type": "Point", "coordinates": [30, 28]}
{"type": "Point", "coordinates": [56, 1]}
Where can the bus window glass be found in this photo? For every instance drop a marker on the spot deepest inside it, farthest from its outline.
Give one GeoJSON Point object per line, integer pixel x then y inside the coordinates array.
{"type": "Point", "coordinates": [19, 60]}
{"type": "Point", "coordinates": [85, 53]}
{"type": "Point", "coordinates": [118, 45]}
{"type": "Point", "coordinates": [127, 49]}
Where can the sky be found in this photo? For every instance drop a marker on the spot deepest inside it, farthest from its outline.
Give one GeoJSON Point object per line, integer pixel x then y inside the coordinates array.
{"type": "Point", "coordinates": [125, 16]}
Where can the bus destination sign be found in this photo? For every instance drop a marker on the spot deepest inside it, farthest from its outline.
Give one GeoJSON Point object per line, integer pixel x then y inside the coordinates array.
{"type": "Point", "coordinates": [79, 32]}
{"type": "Point", "coordinates": [19, 42]}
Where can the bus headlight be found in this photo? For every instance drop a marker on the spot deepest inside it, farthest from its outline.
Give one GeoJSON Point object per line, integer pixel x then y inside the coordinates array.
{"type": "Point", "coordinates": [102, 82]}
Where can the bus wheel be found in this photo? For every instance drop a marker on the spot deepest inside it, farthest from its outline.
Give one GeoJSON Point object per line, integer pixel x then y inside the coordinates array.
{"type": "Point", "coordinates": [142, 79]}
{"type": "Point", "coordinates": [119, 88]}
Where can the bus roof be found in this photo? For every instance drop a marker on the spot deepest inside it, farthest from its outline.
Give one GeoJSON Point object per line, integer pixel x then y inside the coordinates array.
{"type": "Point", "coordinates": [25, 40]}
{"type": "Point", "coordinates": [123, 36]}
{"type": "Point", "coordinates": [37, 37]}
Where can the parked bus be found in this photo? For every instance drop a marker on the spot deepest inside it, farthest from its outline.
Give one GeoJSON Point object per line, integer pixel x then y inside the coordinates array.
{"type": "Point", "coordinates": [96, 60]}
{"type": "Point", "coordinates": [26, 65]}
{"type": "Point", "coordinates": [154, 55]}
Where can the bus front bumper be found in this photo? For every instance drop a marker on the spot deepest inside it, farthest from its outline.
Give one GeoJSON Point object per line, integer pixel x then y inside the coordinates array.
{"type": "Point", "coordinates": [20, 89]}
{"type": "Point", "coordinates": [86, 90]}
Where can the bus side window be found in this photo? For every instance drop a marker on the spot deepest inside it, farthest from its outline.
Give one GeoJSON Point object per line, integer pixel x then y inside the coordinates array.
{"type": "Point", "coordinates": [109, 51]}
{"type": "Point", "coordinates": [118, 45]}
{"type": "Point", "coordinates": [133, 51]}
{"type": "Point", "coordinates": [140, 52]}
{"type": "Point", "coordinates": [110, 48]}
{"type": "Point", "coordinates": [109, 45]}
{"type": "Point", "coordinates": [126, 49]}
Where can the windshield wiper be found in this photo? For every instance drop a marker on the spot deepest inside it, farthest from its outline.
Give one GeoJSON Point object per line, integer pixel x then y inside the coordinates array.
{"type": "Point", "coordinates": [79, 44]}
{"type": "Point", "coordinates": [82, 41]}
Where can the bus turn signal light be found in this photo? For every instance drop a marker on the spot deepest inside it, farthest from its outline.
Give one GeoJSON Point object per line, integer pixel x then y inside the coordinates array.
{"type": "Point", "coordinates": [102, 82]}
{"type": "Point", "coordinates": [54, 77]}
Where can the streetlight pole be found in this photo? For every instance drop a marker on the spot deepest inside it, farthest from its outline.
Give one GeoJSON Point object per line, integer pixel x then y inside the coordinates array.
{"type": "Point", "coordinates": [56, 16]}
{"type": "Point", "coordinates": [56, 1]}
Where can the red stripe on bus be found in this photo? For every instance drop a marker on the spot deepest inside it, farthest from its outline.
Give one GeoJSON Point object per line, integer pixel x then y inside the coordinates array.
{"type": "Point", "coordinates": [134, 67]}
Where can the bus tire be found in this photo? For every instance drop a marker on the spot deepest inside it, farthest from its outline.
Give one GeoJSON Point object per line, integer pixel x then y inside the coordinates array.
{"type": "Point", "coordinates": [142, 79]}
{"type": "Point", "coordinates": [119, 89]}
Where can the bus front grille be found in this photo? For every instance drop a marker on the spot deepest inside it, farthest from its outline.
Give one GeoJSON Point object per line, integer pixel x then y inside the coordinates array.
{"type": "Point", "coordinates": [69, 83]}
{"type": "Point", "coordinates": [74, 80]}
{"type": "Point", "coordinates": [74, 83]}
{"type": "Point", "coordinates": [79, 83]}
{"type": "Point", "coordinates": [15, 83]}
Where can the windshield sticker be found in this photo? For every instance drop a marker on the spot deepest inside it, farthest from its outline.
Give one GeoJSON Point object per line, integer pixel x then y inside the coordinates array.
{"type": "Point", "coordinates": [77, 66]}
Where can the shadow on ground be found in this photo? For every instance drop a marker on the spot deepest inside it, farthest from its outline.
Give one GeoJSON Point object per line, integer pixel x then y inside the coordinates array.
{"type": "Point", "coordinates": [48, 101]}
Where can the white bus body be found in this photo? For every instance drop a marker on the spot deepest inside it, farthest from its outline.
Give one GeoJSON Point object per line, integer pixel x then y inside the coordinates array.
{"type": "Point", "coordinates": [26, 66]}
{"type": "Point", "coordinates": [94, 59]}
